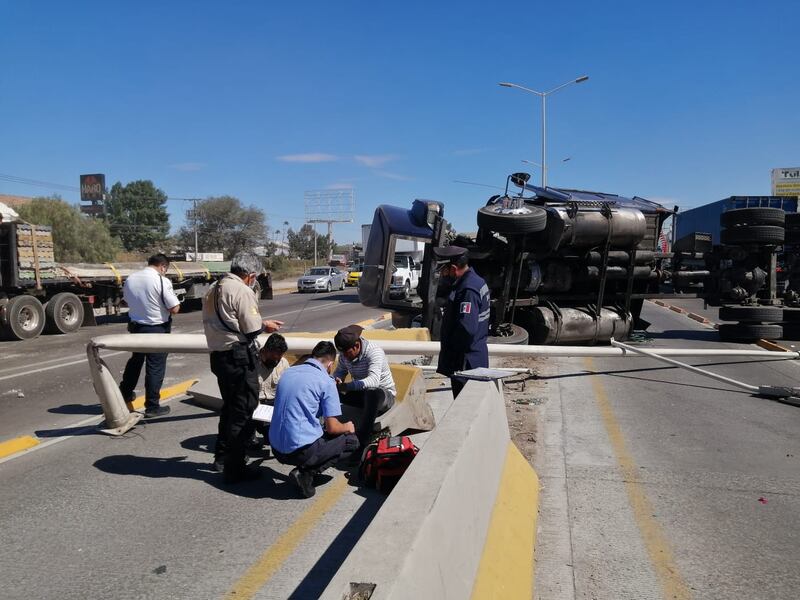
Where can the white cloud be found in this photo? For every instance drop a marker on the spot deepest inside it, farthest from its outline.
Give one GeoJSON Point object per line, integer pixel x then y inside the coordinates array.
{"type": "Point", "coordinates": [310, 157]}
{"type": "Point", "coordinates": [375, 160]}
{"type": "Point", "coordinates": [395, 176]}
{"type": "Point", "coordinates": [188, 166]}
{"type": "Point", "coordinates": [469, 151]}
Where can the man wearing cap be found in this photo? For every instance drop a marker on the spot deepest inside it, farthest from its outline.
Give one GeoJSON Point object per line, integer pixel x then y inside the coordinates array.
{"type": "Point", "coordinates": [465, 324]}
{"type": "Point", "coordinates": [372, 386]}
{"type": "Point", "coordinates": [231, 322]}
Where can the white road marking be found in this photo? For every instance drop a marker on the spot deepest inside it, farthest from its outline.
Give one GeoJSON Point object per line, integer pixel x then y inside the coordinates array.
{"type": "Point", "coordinates": [23, 372]}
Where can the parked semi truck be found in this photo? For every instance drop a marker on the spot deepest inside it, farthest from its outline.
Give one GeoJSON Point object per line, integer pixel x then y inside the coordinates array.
{"type": "Point", "coordinates": [37, 294]}
{"type": "Point", "coordinates": [563, 266]}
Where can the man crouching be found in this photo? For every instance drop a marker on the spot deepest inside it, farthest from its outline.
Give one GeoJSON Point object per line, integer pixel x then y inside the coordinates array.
{"type": "Point", "coordinates": [305, 393]}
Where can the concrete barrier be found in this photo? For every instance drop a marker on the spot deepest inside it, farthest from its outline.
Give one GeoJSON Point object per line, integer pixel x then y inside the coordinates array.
{"type": "Point", "coordinates": [461, 521]}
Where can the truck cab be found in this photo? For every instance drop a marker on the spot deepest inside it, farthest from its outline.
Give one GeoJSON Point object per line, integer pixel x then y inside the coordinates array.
{"type": "Point", "coordinates": [405, 276]}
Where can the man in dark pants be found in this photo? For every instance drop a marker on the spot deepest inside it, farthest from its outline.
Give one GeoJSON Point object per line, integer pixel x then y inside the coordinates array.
{"type": "Point", "coordinates": [231, 322]}
{"type": "Point", "coordinates": [371, 387]}
{"type": "Point", "coordinates": [151, 302]}
{"type": "Point", "coordinates": [465, 324]}
{"type": "Point", "coordinates": [305, 393]}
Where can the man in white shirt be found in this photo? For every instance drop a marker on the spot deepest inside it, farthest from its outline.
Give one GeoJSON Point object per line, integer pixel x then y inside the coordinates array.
{"type": "Point", "coordinates": [152, 302]}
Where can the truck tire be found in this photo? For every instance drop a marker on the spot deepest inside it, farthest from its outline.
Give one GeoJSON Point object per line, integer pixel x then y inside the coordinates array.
{"type": "Point", "coordinates": [751, 314]}
{"type": "Point", "coordinates": [752, 234]}
{"type": "Point", "coordinates": [530, 222]}
{"type": "Point", "coordinates": [519, 336]}
{"type": "Point", "coordinates": [752, 216]}
{"type": "Point", "coordinates": [22, 319]}
{"type": "Point", "coordinates": [63, 313]}
{"type": "Point", "coordinates": [748, 332]}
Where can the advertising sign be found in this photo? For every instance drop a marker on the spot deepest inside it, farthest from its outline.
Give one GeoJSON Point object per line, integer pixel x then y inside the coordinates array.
{"type": "Point", "coordinates": [786, 182]}
{"type": "Point", "coordinates": [93, 187]}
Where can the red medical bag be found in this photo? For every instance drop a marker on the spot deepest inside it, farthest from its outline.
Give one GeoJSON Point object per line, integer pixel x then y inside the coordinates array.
{"type": "Point", "coordinates": [385, 461]}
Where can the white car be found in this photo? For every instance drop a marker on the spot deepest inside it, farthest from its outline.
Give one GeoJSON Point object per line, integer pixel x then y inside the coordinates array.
{"type": "Point", "coordinates": [405, 277]}
{"type": "Point", "coordinates": [321, 279]}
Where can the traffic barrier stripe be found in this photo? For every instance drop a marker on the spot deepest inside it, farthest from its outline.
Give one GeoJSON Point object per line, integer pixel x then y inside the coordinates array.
{"type": "Point", "coordinates": [506, 566]}
{"type": "Point", "coordinates": [167, 393]}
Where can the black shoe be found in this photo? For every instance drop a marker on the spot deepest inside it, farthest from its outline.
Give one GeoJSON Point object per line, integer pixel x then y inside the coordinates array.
{"type": "Point", "coordinates": [304, 481]}
{"type": "Point", "coordinates": [243, 474]}
{"type": "Point", "coordinates": [158, 411]}
{"type": "Point", "coordinates": [218, 465]}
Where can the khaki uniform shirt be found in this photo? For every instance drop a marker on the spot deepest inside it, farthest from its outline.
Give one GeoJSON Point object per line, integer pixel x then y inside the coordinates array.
{"type": "Point", "coordinates": [237, 306]}
{"type": "Point", "coordinates": [268, 380]}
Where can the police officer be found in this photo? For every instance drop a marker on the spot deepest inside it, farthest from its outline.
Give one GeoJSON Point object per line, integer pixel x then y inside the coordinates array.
{"type": "Point", "coordinates": [465, 324]}
{"type": "Point", "coordinates": [232, 322]}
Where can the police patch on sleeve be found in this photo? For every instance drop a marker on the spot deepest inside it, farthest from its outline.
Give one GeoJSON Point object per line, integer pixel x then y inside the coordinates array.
{"type": "Point", "coordinates": [466, 308]}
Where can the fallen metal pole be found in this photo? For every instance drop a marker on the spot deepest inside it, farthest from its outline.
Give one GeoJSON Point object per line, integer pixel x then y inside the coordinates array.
{"type": "Point", "coordinates": [520, 370]}
{"type": "Point", "coordinates": [771, 391]}
{"type": "Point", "coordinates": [196, 344]}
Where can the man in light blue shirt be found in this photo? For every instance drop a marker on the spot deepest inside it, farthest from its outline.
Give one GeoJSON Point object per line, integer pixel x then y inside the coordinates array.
{"type": "Point", "coordinates": [305, 393]}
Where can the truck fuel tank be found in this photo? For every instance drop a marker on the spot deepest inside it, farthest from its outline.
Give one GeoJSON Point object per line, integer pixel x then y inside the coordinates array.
{"type": "Point", "coordinates": [586, 228]}
{"type": "Point", "coordinates": [578, 325]}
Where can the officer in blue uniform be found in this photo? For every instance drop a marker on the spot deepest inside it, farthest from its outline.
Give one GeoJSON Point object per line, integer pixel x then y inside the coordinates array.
{"type": "Point", "coordinates": [465, 324]}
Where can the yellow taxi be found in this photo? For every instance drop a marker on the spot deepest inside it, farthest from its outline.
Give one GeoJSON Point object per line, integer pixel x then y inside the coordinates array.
{"type": "Point", "coordinates": [354, 274]}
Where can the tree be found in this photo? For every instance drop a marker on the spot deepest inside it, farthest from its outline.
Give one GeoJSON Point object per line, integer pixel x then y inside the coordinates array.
{"type": "Point", "coordinates": [137, 215]}
{"type": "Point", "coordinates": [76, 237]}
{"type": "Point", "coordinates": [225, 225]}
{"type": "Point", "coordinates": [301, 243]}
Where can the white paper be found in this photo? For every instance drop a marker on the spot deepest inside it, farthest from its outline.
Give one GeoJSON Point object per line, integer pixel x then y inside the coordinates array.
{"type": "Point", "coordinates": [263, 412]}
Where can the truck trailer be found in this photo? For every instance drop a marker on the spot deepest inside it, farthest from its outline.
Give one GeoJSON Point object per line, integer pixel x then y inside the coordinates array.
{"type": "Point", "coordinates": [38, 295]}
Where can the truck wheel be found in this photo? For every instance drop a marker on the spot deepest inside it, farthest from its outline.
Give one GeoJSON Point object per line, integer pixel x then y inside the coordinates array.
{"type": "Point", "coordinates": [753, 314]}
{"type": "Point", "coordinates": [63, 313]}
{"type": "Point", "coordinates": [23, 318]}
{"type": "Point", "coordinates": [519, 336]}
{"type": "Point", "coordinates": [407, 291]}
{"type": "Point", "coordinates": [752, 216]}
{"type": "Point", "coordinates": [747, 332]}
{"type": "Point", "coordinates": [752, 234]}
{"type": "Point", "coordinates": [490, 217]}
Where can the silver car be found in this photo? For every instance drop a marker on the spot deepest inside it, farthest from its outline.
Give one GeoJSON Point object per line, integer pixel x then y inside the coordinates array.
{"type": "Point", "coordinates": [321, 279]}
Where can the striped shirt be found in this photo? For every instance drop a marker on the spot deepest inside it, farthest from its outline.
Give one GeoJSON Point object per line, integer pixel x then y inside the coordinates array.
{"type": "Point", "coordinates": [369, 370]}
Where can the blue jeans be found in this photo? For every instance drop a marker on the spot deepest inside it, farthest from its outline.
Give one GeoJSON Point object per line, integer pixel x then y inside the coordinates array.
{"type": "Point", "coordinates": [156, 367]}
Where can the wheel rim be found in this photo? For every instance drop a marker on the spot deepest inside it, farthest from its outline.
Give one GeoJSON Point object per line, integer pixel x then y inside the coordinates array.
{"type": "Point", "coordinates": [69, 315]}
{"type": "Point", "coordinates": [28, 319]}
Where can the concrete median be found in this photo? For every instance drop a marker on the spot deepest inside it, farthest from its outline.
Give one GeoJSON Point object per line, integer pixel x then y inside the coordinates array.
{"type": "Point", "coordinates": [461, 521]}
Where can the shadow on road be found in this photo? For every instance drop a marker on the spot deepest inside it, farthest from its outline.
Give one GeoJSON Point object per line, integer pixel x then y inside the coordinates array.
{"type": "Point", "coordinates": [77, 409]}
{"type": "Point", "coordinates": [690, 335]}
{"type": "Point", "coordinates": [271, 484]}
{"type": "Point", "coordinates": [318, 577]}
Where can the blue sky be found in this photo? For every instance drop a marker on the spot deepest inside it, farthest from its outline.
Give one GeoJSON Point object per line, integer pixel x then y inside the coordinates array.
{"type": "Point", "coordinates": [687, 102]}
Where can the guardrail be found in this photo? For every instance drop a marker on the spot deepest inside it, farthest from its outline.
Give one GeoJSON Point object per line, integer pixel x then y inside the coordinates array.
{"type": "Point", "coordinates": [461, 521]}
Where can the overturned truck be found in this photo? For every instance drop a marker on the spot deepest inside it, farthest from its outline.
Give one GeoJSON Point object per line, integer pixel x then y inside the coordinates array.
{"type": "Point", "coordinates": [563, 266]}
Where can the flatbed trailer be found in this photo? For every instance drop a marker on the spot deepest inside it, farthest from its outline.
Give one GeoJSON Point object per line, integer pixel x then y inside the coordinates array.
{"type": "Point", "coordinates": [40, 295]}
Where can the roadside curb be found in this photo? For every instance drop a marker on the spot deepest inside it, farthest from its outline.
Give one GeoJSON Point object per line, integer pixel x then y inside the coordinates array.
{"type": "Point", "coordinates": [23, 444]}
{"type": "Point", "coordinates": [369, 323]}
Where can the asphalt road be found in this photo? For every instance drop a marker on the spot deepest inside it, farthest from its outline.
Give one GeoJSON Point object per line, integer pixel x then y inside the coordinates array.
{"type": "Point", "coordinates": [45, 384]}
{"type": "Point", "coordinates": [659, 483]}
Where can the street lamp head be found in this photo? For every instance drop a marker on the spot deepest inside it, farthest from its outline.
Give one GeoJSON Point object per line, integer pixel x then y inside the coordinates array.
{"type": "Point", "coordinates": [505, 84]}
{"type": "Point", "coordinates": [581, 79]}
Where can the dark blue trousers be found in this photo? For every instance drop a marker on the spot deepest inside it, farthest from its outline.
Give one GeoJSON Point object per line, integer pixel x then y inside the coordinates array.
{"type": "Point", "coordinates": [155, 367]}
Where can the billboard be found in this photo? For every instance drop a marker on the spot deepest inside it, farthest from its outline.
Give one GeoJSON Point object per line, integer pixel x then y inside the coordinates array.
{"type": "Point", "coordinates": [93, 187]}
{"type": "Point", "coordinates": [786, 182]}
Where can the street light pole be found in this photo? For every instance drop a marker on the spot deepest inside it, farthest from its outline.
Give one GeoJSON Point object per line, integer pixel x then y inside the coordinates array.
{"type": "Point", "coordinates": [543, 96]}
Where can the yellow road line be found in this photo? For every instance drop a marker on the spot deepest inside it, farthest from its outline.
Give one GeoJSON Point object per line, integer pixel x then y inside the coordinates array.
{"type": "Point", "coordinates": [268, 564]}
{"type": "Point", "coordinates": [167, 393]}
{"type": "Point", "coordinates": [506, 566]}
{"type": "Point", "coordinates": [18, 444]}
{"type": "Point", "coordinates": [658, 548]}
